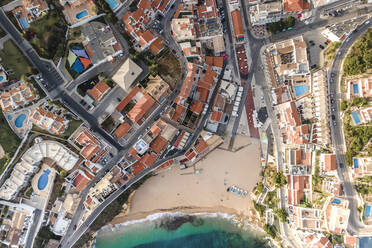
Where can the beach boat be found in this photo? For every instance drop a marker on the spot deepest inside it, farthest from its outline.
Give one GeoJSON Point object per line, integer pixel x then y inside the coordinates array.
{"type": "Point", "coordinates": [240, 191]}
{"type": "Point", "coordinates": [245, 194]}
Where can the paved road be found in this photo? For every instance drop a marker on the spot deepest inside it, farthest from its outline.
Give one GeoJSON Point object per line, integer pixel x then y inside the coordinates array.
{"type": "Point", "coordinates": [33, 228]}
{"type": "Point", "coordinates": [355, 225]}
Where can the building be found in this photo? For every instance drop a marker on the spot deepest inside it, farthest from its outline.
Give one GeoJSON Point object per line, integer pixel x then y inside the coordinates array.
{"type": "Point", "coordinates": [79, 179]}
{"type": "Point", "coordinates": [328, 162]}
{"type": "Point", "coordinates": [237, 24]}
{"type": "Point", "coordinates": [100, 42]}
{"type": "Point", "coordinates": [17, 97]}
{"type": "Point", "coordinates": [137, 22]}
{"type": "Point", "coordinates": [127, 74]}
{"type": "Point", "coordinates": [333, 187]}
{"type": "Point", "coordinates": [29, 164]}
{"type": "Point", "coordinates": [311, 239]}
{"type": "Point", "coordinates": [183, 29]}
{"type": "Point", "coordinates": [98, 91]}
{"type": "Point", "coordinates": [77, 12]}
{"type": "Point", "coordinates": [157, 88]}
{"type": "Point", "coordinates": [288, 58]}
{"type": "Point", "coordinates": [307, 218]}
{"type": "Point", "coordinates": [362, 166]}
{"type": "Point", "coordinates": [58, 220]}
{"type": "Point", "coordinates": [264, 13]}
{"type": "Point", "coordinates": [295, 6]}
{"type": "Point", "coordinates": [141, 108]}
{"type": "Point", "coordinates": [294, 132]}
{"type": "Point", "coordinates": [362, 116]}
{"type": "Point", "coordinates": [360, 87]}
{"type": "Point", "coordinates": [189, 50]}
{"type": "Point", "coordinates": [337, 215]}
{"type": "Point", "coordinates": [16, 222]}
{"type": "Point", "coordinates": [298, 186]}
{"type": "Point", "coordinates": [188, 84]}
{"type": "Point", "coordinates": [48, 120]}
{"type": "Point", "coordinates": [29, 11]}
{"type": "Point", "coordinates": [209, 23]}
{"type": "Point", "coordinates": [122, 130]}
{"type": "Point", "coordinates": [321, 129]}
{"type": "Point", "coordinates": [93, 149]}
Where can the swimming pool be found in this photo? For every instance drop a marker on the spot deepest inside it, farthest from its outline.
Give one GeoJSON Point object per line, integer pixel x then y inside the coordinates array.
{"type": "Point", "coordinates": [82, 14]}
{"type": "Point", "coordinates": [336, 201]}
{"type": "Point", "coordinates": [19, 121]}
{"type": "Point", "coordinates": [367, 212]}
{"type": "Point", "coordinates": [355, 163]}
{"type": "Point", "coordinates": [301, 89]}
{"type": "Point", "coordinates": [43, 180]}
{"type": "Point", "coordinates": [1, 78]}
{"type": "Point", "coordinates": [24, 23]}
{"type": "Point", "coordinates": [10, 117]}
{"type": "Point", "coordinates": [355, 89]}
{"type": "Point", "coordinates": [356, 118]}
{"type": "Point", "coordinates": [112, 3]}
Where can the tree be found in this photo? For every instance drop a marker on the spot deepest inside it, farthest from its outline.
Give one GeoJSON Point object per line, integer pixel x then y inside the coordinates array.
{"type": "Point", "coordinates": [289, 21]}
{"type": "Point", "coordinates": [63, 173]}
{"type": "Point", "coordinates": [260, 188]}
{"type": "Point", "coordinates": [343, 105]}
{"type": "Point", "coordinates": [153, 68]}
{"type": "Point", "coordinates": [281, 214]}
{"type": "Point", "coordinates": [270, 230]}
{"type": "Point", "coordinates": [280, 179]}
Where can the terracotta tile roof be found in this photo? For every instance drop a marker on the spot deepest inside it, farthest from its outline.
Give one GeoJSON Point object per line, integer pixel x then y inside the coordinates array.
{"type": "Point", "coordinates": [197, 107]}
{"type": "Point", "coordinates": [216, 116]}
{"type": "Point", "coordinates": [237, 23]}
{"type": "Point", "coordinates": [330, 162]}
{"type": "Point", "coordinates": [203, 94]}
{"type": "Point", "coordinates": [127, 99]}
{"type": "Point", "coordinates": [296, 188]}
{"type": "Point", "coordinates": [188, 82]}
{"type": "Point", "coordinates": [209, 76]}
{"type": "Point", "coordinates": [165, 164]}
{"type": "Point", "coordinates": [142, 106]}
{"type": "Point", "coordinates": [138, 167]}
{"type": "Point", "coordinates": [122, 130]}
{"type": "Point", "coordinates": [178, 112]}
{"type": "Point", "coordinates": [148, 159]}
{"type": "Point", "coordinates": [295, 5]}
{"type": "Point", "coordinates": [89, 151]}
{"type": "Point", "coordinates": [81, 180]}
{"type": "Point", "coordinates": [133, 152]}
{"type": "Point", "coordinates": [201, 146]}
{"type": "Point", "coordinates": [158, 144]}
{"type": "Point", "coordinates": [157, 46]}
{"type": "Point", "coordinates": [214, 61]}
{"type": "Point", "coordinates": [98, 90]}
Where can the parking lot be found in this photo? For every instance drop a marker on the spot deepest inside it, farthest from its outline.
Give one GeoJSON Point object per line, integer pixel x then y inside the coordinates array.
{"type": "Point", "coordinates": [314, 50]}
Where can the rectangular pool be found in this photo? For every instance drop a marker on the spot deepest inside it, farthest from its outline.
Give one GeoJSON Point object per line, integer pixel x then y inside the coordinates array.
{"type": "Point", "coordinates": [113, 4]}
{"type": "Point", "coordinates": [367, 212]}
{"type": "Point", "coordinates": [82, 14]}
{"type": "Point", "coordinates": [356, 118]}
{"type": "Point", "coordinates": [300, 89]}
{"type": "Point", "coordinates": [355, 163]}
{"type": "Point", "coordinates": [355, 89]}
{"type": "Point", "coordinates": [24, 23]}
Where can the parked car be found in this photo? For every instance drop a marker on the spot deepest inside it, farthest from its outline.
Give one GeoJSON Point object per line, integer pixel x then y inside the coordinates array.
{"type": "Point", "coordinates": [341, 165]}
{"type": "Point", "coordinates": [333, 117]}
{"type": "Point", "coordinates": [333, 74]}
{"type": "Point", "coordinates": [321, 47]}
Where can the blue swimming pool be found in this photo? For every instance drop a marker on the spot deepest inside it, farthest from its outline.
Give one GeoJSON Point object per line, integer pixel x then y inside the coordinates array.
{"type": "Point", "coordinates": [82, 14]}
{"type": "Point", "coordinates": [301, 89]}
{"type": "Point", "coordinates": [1, 78]}
{"type": "Point", "coordinates": [336, 201]}
{"type": "Point", "coordinates": [19, 121]}
{"type": "Point", "coordinates": [356, 118]}
{"type": "Point", "coordinates": [24, 23]}
{"type": "Point", "coordinates": [112, 3]}
{"type": "Point", "coordinates": [10, 117]}
{"type": "Point", "coordinates": [355, 89]}
{"type": "Point", "coordinates": [367, 212]}
{"type": "Point", "coordinates": [355, 163]}
{"type": "Point", "coordinates": [43, 180]}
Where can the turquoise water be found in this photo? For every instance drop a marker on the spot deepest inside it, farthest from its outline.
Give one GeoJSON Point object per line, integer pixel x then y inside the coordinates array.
{"type": "Point", "coordinates": [112, 3]}
{"type": "Point", "coordinates": [181, 231]}
{"type": "Point", "coordinates": [43, 180]}
{"type": "Point", "coordinates": [19, 121]}
{"type": "Point", "coordinates": [355, 117]}
{"type": "Point", "coordinates": [367, 213]}
{"type": "Point", "coordinates": [301, 89]}
{"type": "Point", "coordinates": [1, 78]}
{"type": "Point", "coordinates": [82, 14]}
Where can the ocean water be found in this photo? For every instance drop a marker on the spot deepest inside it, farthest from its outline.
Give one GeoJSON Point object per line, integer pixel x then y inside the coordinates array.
{"type": "Point", "coordinates": [180, 231]}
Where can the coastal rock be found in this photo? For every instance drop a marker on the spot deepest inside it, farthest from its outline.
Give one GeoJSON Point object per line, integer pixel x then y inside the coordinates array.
{"type": "Point", "coordinates": [175, 222]}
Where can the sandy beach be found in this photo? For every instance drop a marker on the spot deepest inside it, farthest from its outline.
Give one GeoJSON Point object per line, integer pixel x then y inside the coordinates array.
{"type": "Point", "coordinates": [175, 190]}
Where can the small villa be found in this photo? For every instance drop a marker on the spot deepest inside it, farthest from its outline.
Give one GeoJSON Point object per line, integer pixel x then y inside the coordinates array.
{"type": "Point", "coordinates": [76, 11]}
{"type": "Point", "coordinates": [362, 116]}
{"type": "Point", "coordinates": [29, 11]}
{"type": "Point", "coordinates": [360, 87]}
{"type": "Point", "coordinates": [17, 97]}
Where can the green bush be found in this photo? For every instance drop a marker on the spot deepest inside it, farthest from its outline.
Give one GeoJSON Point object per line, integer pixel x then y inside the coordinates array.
{"type": "Point", "coordinates": [270, 230]}
{"type": "Point", "coordinates": [281, 214]}
{"type": "Point", "coordinates": [359, 59]}
{"type": "Point", "coordinates": [343, 105]}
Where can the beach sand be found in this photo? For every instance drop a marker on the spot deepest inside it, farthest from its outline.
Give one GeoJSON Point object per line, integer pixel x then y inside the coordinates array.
{"type": "Point", "coordinates": [176, 190]}
{"type": "Point", "coordinates": [1, 152]}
